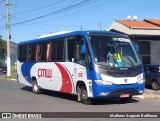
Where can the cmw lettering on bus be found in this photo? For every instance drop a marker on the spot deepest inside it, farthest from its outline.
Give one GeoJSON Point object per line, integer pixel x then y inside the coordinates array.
{"type": "Point", "coordinates": [45, 73]}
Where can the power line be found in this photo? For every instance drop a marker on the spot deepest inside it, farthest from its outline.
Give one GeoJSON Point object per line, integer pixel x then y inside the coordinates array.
{"type": "Point", "coordinates": [40, 7]}
{"type": "Point", "coordinates": [2, 18]}
{"type": "Point", "coordinates": [55, 12]}
{"type": "Point", "coordinates": [106, 4]}
{"type": "Point", "coordinates": [68, 8]}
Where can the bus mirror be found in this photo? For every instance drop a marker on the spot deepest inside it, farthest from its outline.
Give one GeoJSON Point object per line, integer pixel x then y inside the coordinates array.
{"type": "Point", "coordinates": [83, 49]}
{"type": "Point", "coordinates": [136, 47]}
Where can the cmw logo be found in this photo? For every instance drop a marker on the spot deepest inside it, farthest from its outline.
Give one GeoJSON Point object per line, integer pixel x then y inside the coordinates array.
{"type": "Point", "coordinates": [45, 73]}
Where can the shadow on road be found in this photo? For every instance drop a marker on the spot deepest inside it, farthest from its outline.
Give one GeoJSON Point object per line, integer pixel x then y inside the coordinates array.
{"type": "Point", "coordinates": [53, 94]}
{"type": "Point", "coordinates": [105, 101]}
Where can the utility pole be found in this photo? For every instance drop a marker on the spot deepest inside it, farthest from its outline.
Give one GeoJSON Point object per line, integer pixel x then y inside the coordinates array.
{"type": "Point", "coordinates": [81, 28]}
{"type": "Point", "coordinates": [8, 37]}
{"type": "Point", "coordinates": [100, 26]}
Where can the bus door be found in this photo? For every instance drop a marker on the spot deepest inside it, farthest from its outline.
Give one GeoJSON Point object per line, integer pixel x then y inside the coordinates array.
{"type": "Point", "coordinates": [79, 65]}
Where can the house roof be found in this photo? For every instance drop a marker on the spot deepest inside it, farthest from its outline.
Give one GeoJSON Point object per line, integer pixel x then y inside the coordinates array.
{"type": "Point", "coordinates": [153, 21]}
{"type": "Point", "coordinates": [134, 27]}
{"type": "Point", "coordinates": [138, 24]}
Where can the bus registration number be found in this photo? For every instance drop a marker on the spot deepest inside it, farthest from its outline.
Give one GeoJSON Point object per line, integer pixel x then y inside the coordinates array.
{"type": "Point", "coordinates": [124, 95]}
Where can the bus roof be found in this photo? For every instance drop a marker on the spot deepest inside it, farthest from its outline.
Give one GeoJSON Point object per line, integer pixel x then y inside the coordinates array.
{"type": "Point", "coordinates": [55, 36]}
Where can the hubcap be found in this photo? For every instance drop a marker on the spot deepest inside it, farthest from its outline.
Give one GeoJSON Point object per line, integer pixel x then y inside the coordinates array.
{"type": "Point", "coordinates": [35, 87]}
{"type": "Point", "coordinates": [154, 86]}
{"type": "Point", "coordinates": [84, 96]}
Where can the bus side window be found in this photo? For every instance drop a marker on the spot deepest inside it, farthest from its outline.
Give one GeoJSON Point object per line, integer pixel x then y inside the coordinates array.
{"type": "Point", "coordinates": [60, 48]}
{"type": "Point", "coordinates": [71, 46]}
{"type": "Point", "coordinates": [37, 52]}
{"type": "Point", "coordinates": [48, 51]}
{"type": "Point", "coordinates": [54, 51]}
{"type": "Point", "coordinates": [29, 53]}
{"type": "Point", "coordinates": [22, 55]}
{"type": "Point", "coordinates": [33, 52]}
{"type": "Point", "coordinates": [57, 51]}
{"type": "Point", "coordinates": [45, 53]}
{"type": "Point", "coordinates": [83, 59]}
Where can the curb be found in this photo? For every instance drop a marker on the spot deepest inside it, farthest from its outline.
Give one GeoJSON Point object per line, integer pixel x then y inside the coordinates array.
{"type": "Point", "coordinates": [148, 95]}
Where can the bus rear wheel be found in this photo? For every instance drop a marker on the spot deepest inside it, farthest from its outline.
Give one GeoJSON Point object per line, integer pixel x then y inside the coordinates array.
{"type": "Point", "coordinates": [84, 97]}
{"type": "Point", "coordinates": [35, 87]}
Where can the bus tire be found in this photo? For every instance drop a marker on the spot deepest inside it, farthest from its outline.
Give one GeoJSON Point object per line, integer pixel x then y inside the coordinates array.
{"type": "Point", "coordinates": [35, 87]}
{"type": "Point", "coordinates": [84, 96]}
{"type": "Point", "coordinates": [155, 85]}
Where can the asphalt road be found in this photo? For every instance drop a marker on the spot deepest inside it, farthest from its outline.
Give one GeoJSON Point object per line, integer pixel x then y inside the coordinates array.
{"type": "Point", "coordinates": [15, 97]}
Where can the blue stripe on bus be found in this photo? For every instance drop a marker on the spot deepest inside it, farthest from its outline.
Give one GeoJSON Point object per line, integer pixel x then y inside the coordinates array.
{"type": "Point", "coordinates": [26, 68]}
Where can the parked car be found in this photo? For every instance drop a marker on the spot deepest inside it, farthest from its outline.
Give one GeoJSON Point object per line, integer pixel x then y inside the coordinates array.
{"type": "Point", "coordinates": [152, 75]}
{"type": "Point", "coordinates": [3, 69]}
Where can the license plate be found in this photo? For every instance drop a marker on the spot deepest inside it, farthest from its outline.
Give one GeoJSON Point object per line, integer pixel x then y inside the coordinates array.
{"type": "Point", "coordinates": [124, 95]}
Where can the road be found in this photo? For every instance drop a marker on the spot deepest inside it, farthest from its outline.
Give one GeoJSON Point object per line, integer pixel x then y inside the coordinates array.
{"type": "Point", "coordinates": [15, 97]}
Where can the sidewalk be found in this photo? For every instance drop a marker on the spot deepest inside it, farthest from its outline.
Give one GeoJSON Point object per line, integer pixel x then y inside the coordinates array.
{"type": "Point", "coordinates": [149, 94]}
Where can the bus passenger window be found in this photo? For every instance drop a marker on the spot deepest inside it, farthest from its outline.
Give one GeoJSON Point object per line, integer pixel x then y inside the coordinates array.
{"type": "Point", "coordinates": [57, 51]}
{"type": "Point", "coordinates": [54, 51]}
{"type": "Point", "coordinates": [44, 51]}
{"type": "Point", "coordinates": [48, 51]}
{"type": "Point", "coordinates": [37, 52]}
{"type": "Point", "coordinates": [33, 52]}
{"type": "Point", "coordinates": [71, 46]}
{"type": "Point", "coordinates": [60, 51]}
{"type": "Point", "coordinates": [29, 53]}
{"type": "Point", "coordinates": [22, 55]}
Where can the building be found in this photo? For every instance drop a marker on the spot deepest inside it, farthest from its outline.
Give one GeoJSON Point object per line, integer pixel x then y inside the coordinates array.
{"type": "Point", "coordinates": [145, 33]}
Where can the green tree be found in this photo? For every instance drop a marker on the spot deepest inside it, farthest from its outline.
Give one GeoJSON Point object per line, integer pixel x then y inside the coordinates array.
{"type": "Point", "coordinates": [2, 48]}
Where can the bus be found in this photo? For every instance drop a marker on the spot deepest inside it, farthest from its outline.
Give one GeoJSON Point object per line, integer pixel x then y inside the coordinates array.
{"type": "Point", "coordinates": [89, 64]}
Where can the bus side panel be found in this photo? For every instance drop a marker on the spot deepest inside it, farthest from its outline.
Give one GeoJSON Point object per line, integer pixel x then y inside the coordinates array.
{"type": "Point", "coordinates": [53, 76]}
{"type": "Point", "coordinates": [20, 76]}
{"type": "Point", "coordinates": [58, 76]}
{"type": "Point", "coordinates": [78, 73]}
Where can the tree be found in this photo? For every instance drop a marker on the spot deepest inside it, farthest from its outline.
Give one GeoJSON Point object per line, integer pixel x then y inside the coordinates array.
{"type": "Point", "coordinates": [2, 48]}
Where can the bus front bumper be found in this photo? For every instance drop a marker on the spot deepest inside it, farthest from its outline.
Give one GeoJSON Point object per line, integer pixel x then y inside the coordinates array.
{"type": "Point", "coordinates": [102, 91]}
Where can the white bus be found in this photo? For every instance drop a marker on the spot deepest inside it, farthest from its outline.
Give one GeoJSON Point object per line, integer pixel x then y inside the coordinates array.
{"type": "Point", "coordinates": [89, 64]}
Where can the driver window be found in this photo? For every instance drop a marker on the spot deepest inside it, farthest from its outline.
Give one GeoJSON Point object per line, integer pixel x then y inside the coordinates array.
{"type": "Point", "coordinates": [79, 57]}
{"type": "Point", "coordinates": [74, 50]}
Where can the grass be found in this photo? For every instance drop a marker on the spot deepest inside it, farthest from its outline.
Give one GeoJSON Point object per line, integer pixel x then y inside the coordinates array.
{"type": "Point", "coordinates": [10, 77]}
{"type": "Point", "coordinates": [13, 70]}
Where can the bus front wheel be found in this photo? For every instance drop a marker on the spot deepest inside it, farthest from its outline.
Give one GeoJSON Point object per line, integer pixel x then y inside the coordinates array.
{"type": "Point", "coordinates": [35, 87]}
{"type": "Point", "coordinates": [84, 97]}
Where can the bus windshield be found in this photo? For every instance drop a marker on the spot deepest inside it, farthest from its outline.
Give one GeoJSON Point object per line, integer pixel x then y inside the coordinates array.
{"type": "Point", "coordinates": [114, 51]}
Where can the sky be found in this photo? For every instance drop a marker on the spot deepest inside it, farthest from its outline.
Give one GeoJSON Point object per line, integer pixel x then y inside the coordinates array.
{"type": "Point", "coordinates": [31, 18]}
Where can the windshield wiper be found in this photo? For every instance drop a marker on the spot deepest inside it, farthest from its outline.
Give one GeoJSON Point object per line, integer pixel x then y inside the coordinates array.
{"type": "Point", "coordinates": [131, 63]}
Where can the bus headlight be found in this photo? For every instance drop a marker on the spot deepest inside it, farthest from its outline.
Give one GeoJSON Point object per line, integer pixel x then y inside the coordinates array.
{"type": "Point", "coordinates": [141, 81]}
{"type": "Point", "coordinates": [103, 82]}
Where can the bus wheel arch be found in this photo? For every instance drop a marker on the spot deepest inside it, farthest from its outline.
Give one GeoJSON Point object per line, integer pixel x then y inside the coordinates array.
{"type": "Point", "coordinates": [35, 87]}
{"type": "Point", "coordinates": [82, 93]}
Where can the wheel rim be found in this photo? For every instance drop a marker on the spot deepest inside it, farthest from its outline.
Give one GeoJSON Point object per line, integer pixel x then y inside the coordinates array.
{"type": "Point", "coordinates": [84, 95]}
{"type": "Point", "coordinates": [35, 87]}
{"type": "Point", "coordinates": [154, 86]}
